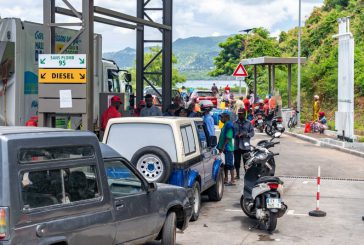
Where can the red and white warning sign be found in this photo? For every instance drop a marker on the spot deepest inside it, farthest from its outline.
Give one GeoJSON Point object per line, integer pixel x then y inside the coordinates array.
{"type": "Point", "coordinates": [240, 71]}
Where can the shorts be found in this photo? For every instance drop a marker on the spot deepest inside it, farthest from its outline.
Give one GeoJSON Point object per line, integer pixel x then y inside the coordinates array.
{"type": "Point", "coordinates": [229, 160]}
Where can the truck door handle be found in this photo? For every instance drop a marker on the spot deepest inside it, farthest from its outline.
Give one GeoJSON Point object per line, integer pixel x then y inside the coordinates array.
{"type": "Point", "coordinates": [119, 204]}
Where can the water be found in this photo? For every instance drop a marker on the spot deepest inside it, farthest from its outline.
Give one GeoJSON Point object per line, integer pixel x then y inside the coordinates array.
{"type": "Point", "coordinates": [208, 83]}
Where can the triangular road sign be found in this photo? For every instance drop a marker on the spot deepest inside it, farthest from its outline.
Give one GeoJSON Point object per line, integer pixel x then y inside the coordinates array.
{"type": "Point", "coordinates": [240, 71]}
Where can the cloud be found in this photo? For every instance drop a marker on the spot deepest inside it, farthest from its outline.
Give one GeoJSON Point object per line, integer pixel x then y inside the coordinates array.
{"type": "Point", "coordinates": [190, 17]}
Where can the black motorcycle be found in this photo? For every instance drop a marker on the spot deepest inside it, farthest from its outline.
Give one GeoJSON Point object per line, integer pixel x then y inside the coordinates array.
{"type": "Point", "coordinates": [261, 197]}
{"type": "Point", "coordinates": [274, 124]}
{"type": "Point", "coordinates": [266, 144]}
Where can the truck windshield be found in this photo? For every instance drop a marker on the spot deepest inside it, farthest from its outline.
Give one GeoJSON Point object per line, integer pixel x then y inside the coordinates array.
{"type": "Point", "coordinates": [113, 81]}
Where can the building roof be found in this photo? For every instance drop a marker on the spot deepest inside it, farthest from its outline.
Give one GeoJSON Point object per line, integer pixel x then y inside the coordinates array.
{"type": "Point", "coordinates": [273, 61]}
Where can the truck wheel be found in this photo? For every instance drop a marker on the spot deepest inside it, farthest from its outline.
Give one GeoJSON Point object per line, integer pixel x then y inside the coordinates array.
{"type": "Point", "coordinates": [216, 192]}
{"type": "Point", "coordinates": [153, 163]}
{"type": "Point", "coordinates": [197, 206]}
{"type": "Point", "coordinates": [169, 230]}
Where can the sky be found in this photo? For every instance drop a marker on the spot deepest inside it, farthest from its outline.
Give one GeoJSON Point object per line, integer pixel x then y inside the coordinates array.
{"type": "Point", "coordinates": [190, 17]}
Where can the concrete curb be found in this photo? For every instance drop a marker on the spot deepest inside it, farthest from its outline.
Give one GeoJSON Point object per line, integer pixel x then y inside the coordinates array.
{"type": "Point", "coordinates": [326, 145]}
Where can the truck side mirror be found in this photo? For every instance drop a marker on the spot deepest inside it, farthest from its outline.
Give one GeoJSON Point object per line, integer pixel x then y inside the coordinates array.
{"type": "Point", "coordinates": [212, 141]}
{"type": "Point", "coordinates": [127, 77]}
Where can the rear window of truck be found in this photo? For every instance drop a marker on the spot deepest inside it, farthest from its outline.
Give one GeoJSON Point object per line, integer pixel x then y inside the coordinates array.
{"type": "Point", "coordinates": [36, 155]}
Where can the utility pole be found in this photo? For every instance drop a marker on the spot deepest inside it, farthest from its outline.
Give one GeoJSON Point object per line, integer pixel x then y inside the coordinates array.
{"type": "Point", "coordinates": [299, 67]}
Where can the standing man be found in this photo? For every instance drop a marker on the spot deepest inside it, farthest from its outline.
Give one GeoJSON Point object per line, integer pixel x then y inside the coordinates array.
{"type": "Point", "coordinates": [252, 98]}
{"type": "Point", "coordinates": [247, 103]}
{"type": "Point", "coordinates": [244, 131]}
{"type": "Point", "coordinates": [239, 104]}
{"type": "Point", "coordinates": [316, 108]}
{"type": "Point", "coordinates": [150, 110]}
{"type": "Point", "coordinates": [208, 120]}
{"type": "Point", "coordinates": [214, 90]}
{"type": "Point", "coordinates": [226, 146]}
{"type": "Point", "coordinates": [111, 112]}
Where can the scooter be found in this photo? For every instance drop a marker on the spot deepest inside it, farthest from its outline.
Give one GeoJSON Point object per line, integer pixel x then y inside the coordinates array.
{"type": "Point", "coordinates": [275, 125]}
{"type": "Point", "coordinates": [261, 198]}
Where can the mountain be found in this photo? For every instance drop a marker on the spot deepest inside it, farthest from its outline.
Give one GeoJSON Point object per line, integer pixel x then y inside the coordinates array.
{"type": "Point", "coordinates": [195, 55]}
{"type": "Point", "coordinates": [124, 58]}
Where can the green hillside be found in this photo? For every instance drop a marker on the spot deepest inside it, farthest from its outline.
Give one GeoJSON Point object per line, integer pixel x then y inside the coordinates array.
{"type": "Point", "coordinates": [319, 75]}
{"type": "Point", "coordinates": [194, 55]}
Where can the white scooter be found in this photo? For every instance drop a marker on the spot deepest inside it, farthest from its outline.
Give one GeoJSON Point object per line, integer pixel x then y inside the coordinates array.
{"type": "Point", "coordinates": [262, 195]}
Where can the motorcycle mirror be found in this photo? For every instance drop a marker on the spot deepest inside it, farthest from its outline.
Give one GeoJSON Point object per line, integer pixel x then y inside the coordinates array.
{"type": "Point", "coordinates": [277, 134]}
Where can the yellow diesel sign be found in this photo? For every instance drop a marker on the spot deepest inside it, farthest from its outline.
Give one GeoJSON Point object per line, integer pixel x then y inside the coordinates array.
{"type": "Point", "coordinates": [62, 75]}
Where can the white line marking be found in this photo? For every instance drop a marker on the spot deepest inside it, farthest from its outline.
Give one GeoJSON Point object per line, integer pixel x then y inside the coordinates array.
{"type": "Point", "coordinates": [291, 212]}
{"type": "Point", "coordinates": [233, 210]}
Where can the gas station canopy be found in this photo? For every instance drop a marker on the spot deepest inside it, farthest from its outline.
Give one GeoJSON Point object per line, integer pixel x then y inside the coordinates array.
{"type": "Point", "coordinates": [271, 62]}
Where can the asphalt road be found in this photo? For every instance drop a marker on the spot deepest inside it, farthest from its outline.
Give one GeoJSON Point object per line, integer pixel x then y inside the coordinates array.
{"type": "Point", "coordinates": [342, 197]}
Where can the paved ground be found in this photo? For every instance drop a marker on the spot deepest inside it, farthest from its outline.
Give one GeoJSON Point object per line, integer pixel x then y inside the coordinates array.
{"type": "Point", "coordinates": [224, 223]}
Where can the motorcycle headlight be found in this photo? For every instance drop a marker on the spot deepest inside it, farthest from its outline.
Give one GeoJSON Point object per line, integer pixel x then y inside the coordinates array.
{"type": "Point", "coordinates": [261, 156]}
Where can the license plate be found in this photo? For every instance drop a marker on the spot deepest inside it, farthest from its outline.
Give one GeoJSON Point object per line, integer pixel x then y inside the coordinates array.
{"type": "Point", "coordinates": [260, 121]}
{"type": "Point", "coordinates": [273, 203]}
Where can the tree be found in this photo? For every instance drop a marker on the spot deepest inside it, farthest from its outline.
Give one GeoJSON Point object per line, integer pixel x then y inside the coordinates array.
{"type": "Point", "coordinates": [229, 56]}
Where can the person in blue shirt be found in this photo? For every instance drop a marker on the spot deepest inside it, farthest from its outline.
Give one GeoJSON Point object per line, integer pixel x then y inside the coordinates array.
{"type": "Point", "coordinates": [208, 120]}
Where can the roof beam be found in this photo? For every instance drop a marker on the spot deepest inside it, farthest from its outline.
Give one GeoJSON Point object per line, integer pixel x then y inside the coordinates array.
{"type": "Point", "coordinates": [118, 15]}
{"type": "Point", "coordinates": [98, 19]}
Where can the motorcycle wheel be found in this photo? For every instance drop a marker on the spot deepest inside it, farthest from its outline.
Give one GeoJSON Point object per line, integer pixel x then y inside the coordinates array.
{"type": "Point", "coordinates": [269, 130]}
{"type": "Point", "coordinates": [290, 124]}
{"type": "Point", "coordinates": [244, 206]}
{"type": "Point", "coordinates": [271, 223]}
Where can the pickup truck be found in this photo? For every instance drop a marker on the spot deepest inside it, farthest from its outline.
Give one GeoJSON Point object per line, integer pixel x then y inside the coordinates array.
{"type": "Point", "coordinates": [171, 150]}
{"type": "Point", "coordinates": [61, 187]}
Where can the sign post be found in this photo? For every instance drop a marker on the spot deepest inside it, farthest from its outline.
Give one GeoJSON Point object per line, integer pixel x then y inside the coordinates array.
{"type": "Point", "coordinates": [240, 71]}
{"type": "Point", "coordinates": [62, 82]}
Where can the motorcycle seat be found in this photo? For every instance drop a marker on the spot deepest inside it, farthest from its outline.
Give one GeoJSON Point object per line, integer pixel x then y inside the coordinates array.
{"type": "Point", "coordinates": [268, 179]}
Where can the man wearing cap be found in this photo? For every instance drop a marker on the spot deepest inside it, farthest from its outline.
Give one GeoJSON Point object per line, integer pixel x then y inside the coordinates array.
{"type": "Point", "coordinates": [150, 110]}
{"type": "Point", "coordinates": [111, 112]}
{"type": "Point", "coordinates": [226, 146]}
{"type": "Point", "coordinates": [244, 131]}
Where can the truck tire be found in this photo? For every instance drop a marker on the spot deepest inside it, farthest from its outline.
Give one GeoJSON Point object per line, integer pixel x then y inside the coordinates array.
{"type": "Point", "coordinates": [153, 163]}
{"type": "Point", "coordinates": [216, 192]}
{"type": "Point", "coordinates": [169, 230]}
{"type": "Point", "coordinates": [197, 206]}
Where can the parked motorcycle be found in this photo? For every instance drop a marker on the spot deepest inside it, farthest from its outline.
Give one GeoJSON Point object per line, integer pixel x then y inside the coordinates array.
{"type": "Point", "coordinates": [259, 122]}
{"type": "Point", "coordinates": [266, 144]}
{"type": "Point", "coordinates": [274, 125]}
{"type": "Point", "coordinates": [262, 195]}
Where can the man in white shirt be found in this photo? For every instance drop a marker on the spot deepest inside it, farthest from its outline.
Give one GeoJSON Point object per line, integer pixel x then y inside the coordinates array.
{"type": "Point", "coordinates": [150, 110]}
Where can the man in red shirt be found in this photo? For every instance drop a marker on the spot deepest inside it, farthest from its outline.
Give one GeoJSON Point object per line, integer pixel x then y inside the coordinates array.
{"type": "Point", "coordinates": [247, 103]}
{"type": "Point", "coordinates": [111, 112]}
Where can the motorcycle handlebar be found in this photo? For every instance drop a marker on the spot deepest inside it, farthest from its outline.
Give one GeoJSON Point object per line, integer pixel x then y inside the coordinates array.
{"type": "Point", "coordinates": [276, 154]}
